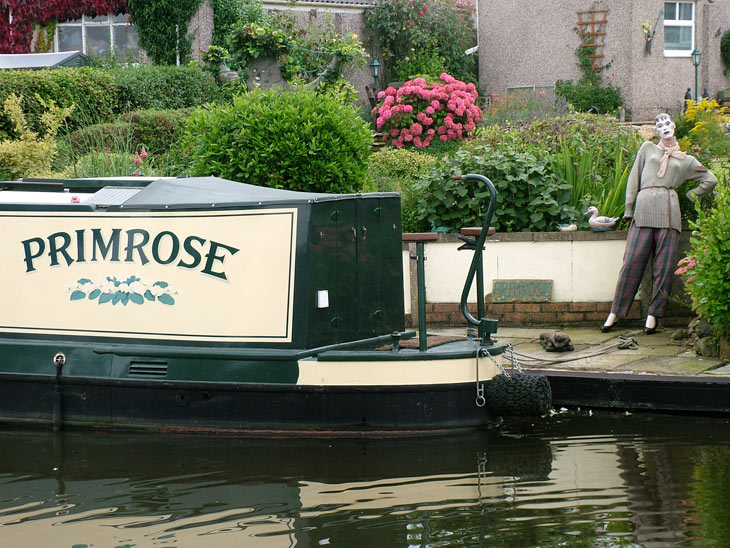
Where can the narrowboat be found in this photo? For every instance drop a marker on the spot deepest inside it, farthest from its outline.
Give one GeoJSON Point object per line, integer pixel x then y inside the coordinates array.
{"type": "Point", "coordinates": [208, 305]}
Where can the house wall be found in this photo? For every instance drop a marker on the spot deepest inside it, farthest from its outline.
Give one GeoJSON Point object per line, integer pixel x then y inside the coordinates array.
{"type": "Point", "coordinates": [526, 44]}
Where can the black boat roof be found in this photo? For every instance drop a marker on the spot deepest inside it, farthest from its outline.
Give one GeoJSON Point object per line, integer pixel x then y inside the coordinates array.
{"type": "Point", "coordinates": [173, 193]}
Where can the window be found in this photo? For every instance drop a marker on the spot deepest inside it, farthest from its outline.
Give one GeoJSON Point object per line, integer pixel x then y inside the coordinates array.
{"type": "Point", "coordinates": [98, 35]}
{"type": "Point", "coordinates": [679, 28]}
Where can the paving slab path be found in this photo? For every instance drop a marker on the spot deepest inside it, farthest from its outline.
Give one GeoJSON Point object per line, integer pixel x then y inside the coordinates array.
{"type": "Point", "coordinates": [653, 373]}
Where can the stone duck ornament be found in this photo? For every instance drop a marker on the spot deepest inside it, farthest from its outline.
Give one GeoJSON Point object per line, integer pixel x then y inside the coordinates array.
{"type": "Point", "coordinates": [600, 223]}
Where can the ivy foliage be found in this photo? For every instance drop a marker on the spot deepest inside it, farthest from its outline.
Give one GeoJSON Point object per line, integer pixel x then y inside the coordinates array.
{"type": "Point", "coordinates": [163, 28]}
{"type": "Point", "coordinates": [589, 94]}
{"type": "Point", "coordinates": [225, 15]}
{"type": "Point", "coordinates": [725, 50]}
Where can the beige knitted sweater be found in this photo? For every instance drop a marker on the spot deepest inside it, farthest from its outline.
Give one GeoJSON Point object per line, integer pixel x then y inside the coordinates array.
{"type": "Point", "coordinates": [652, 201]}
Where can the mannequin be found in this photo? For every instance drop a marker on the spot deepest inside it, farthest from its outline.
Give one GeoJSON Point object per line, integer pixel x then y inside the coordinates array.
{"type": "Point", "coordinates": [652, 205]}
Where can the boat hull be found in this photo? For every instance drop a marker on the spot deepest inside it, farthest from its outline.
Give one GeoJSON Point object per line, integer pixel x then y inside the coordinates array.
{"type": "Point", "coordinates": [242, 408]}
{"type": "Point", "coordinates": [376, 393]}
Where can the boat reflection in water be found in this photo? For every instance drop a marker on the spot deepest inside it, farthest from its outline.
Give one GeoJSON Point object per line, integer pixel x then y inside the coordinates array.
{"type": "Point", "coordinates": [572, 479]}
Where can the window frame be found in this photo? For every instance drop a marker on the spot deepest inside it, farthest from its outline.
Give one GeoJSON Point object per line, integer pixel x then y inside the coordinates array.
{"type": "Point", "coordinates": [84, 23]}
{"type": "Point", "coordinates": [680, 23]}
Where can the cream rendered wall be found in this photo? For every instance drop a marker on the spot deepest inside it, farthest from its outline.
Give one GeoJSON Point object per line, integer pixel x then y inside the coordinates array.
{"type": "Point", "coordinates": [581, 271]}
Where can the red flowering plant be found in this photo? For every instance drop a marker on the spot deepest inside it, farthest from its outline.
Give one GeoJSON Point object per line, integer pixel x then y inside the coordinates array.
{"type": "Point", "coordinates": [419, 112]}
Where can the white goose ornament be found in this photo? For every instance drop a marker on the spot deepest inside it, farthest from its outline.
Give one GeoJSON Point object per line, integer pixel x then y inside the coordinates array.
{"type": "Point", "coordinates": [599, 223]}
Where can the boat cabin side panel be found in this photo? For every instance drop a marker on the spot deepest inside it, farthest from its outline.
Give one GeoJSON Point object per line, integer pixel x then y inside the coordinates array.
{"type": "Point", "coordinates": [225, 276]}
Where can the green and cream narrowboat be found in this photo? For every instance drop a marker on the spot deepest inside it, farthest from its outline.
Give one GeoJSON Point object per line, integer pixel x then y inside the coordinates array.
{"type": "Point", "coordinates": [202, 304]}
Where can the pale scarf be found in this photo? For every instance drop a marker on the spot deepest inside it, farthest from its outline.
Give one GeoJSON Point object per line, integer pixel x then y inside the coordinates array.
{"type": "Point", "coordinates": [670, 148]}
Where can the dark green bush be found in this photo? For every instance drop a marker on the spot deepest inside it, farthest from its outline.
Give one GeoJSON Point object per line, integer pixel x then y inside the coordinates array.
{"type": "Point", "coordinates": [97, 136]}
{"type": "Point", "coordinates": [401, 170]}
{"type": "Point", "coordinates": [158, 130]}
{"type": "Point", "coordinates": [529, 196]}
{"type": "Point", "coordinates": [418, 36]}
{"type": "Point", "coordinates": [162, 87]}
{"type": "Point", "coordinates": [725, 50]}
{"type": "Point", "coordinates": [584, 96]}
{"type": "Point", "coordinates": [298, 140]}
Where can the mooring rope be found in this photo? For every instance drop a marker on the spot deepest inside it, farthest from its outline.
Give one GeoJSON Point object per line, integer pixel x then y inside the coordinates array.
{"type": "Point", "coordinates": [624, 343]}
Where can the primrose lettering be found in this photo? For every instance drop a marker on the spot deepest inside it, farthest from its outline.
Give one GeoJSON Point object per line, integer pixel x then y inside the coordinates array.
{"type": "Point", "coordinates": [127, 246]}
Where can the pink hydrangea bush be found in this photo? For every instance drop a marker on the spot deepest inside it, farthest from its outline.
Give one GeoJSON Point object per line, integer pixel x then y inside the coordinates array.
{"type": "Point", "coordinates": [419, 112]}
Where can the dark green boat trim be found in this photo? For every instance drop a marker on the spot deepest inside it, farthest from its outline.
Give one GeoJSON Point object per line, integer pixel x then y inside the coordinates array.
{"type": "Point", "coordinates": [268, 354]}
{"type": "Point", "coordinates": [468, 349]}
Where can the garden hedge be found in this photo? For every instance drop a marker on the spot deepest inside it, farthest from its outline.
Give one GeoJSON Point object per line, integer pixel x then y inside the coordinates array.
{"type": "Point", "coordinates": [100, 95]}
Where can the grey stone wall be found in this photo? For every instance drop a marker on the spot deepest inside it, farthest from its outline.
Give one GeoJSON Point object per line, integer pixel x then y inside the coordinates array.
{"type": "Point", "coordinates": [526, 44]}
{"type": "Point", "coordinates": [201, 29]}
{"type": "Point", "coordinates": [347, 18]}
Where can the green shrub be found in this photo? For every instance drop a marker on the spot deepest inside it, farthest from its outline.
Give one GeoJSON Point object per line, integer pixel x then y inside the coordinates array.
{"type": "Point", "coordinates": [162, 87]}
{"type": "Point", "coordinates": [409, 30]}
{"type": "Point", "coordinates": [529, 196]}
{"type": "Point", "coordinates": [592, 154]}
{"type": "Point", "coordinates": [584, 96]}
{"type": "Point", "coordinates": [31, 155]}
{"type": "Point", "coordinates": [705, 270]}
{"type": "Point", "coordinates": [158, 130]}
{"type": "Point", "coordinates": [101, 164]}
{"type": "Point", "coordinates": [419, 63]}
{"type": "Point", "coordinates": [401, 170]}
{"type": "Point", "coordinates": [296, 140]}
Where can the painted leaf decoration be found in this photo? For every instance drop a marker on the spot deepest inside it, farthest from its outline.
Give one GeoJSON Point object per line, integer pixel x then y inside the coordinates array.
{"type": "Point", "coordinates": [166, 299]}
{"type": "Point", "coordinates": [125, 298]}
{"type": "Point", "coordinates": [76, 295]}
{"type": "Point", "coordinates": [105, 298]}
{"type": "Point", "coordinates": [117, 297]}
{"type": "Point", "coordinates": [94, 294]}
{"type": "Point", "coordinates": [136, 298]}
{"type": "Point", "coordinates": [161, 284]}
{"type": "Point", "coordinates": [84, 281]}
{"type": "Point", "coordinates": [149, 296]}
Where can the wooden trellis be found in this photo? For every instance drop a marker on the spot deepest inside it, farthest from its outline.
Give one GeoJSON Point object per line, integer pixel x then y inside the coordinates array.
{"type": "Point", "coordinates": [592, 31]}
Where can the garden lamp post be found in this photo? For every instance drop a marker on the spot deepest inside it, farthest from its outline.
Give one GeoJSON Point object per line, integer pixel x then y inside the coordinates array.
{"type": "Point", "coordinates": [375, 71]}
{"type": "Point", "coordinates": [696, 56]}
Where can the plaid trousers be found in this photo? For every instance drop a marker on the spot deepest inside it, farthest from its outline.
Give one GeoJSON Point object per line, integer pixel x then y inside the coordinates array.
{"type": "Point", "coordinates": [641, 242]}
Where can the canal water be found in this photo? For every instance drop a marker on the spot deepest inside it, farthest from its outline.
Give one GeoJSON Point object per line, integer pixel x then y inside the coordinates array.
{"type": "Point", "coordinates": [573, 479]}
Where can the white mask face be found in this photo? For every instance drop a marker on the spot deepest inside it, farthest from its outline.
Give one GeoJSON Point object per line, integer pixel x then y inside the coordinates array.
{"type": "Point", "coordinates": [664, 126]}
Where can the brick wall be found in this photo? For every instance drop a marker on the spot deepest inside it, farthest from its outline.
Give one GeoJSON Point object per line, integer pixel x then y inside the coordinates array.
{"type": "Point", "coordinates": [515, 314]}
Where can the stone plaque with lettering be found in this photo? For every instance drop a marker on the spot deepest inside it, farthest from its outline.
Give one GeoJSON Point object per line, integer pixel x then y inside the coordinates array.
{"type": "Point", "coordinates": [522, 291]}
